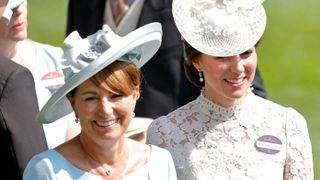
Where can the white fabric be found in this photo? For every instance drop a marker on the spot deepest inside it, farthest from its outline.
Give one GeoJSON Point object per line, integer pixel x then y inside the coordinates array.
{"type": "Point", "coordinates": [207, 141]}
{"type": "Point", "coordinates": [51, 165]}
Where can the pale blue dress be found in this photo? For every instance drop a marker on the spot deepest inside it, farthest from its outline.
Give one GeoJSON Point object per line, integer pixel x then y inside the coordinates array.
{"type": "Point", "coordinates": [52, 165]}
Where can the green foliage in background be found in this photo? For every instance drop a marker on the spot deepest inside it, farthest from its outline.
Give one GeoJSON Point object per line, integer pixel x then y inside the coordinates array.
{"type": "Point", "coordinates": [47, 21]}
{"type": "Point", "coordinates": [288, 54]}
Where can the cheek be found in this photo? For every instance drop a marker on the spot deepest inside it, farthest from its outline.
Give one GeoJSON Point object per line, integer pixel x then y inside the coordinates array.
{"type": "Point", "coordinates": [251, 65]}
{"type": "Point", "coordinates": [85, 109]}
{"type": "Point", "coordinates": [216, 69]}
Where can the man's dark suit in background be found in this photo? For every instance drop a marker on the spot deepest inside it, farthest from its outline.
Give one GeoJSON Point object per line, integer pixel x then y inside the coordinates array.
{"type": "Point", "coordinates": [21, 136]}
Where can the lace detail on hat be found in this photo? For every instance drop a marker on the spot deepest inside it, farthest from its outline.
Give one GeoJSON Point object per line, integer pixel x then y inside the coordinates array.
{"type": "Point", "coordinates": [221, 17]}
{"type": "Point", "coordinates": [208, 141]}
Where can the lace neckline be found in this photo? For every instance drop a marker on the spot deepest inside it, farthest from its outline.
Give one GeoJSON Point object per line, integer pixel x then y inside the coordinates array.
{"type": "Point", "coordinates": [210, 108]}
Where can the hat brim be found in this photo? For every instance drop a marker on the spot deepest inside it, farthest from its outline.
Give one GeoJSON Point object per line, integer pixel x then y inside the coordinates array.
{"type": "Point", "coordinates": [138, 125]}
{"type": "Point", "coordinates": [148, 36]}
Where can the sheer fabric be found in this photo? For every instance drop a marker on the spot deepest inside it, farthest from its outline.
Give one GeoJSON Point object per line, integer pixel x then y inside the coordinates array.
{"type": "Point", "coordinates": [207, 141]}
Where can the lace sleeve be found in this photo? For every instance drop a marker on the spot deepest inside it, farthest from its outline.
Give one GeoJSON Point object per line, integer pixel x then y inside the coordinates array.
{"type": "Point", "coordinates": [154, 133]}
{"type": "Point", "coordinates": [299, 162]}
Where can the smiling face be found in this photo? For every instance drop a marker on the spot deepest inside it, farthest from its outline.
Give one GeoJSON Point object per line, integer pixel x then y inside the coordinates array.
{"type": "Point", "coordinates": [103, 113]}
{"type": "Point", "coordinates": [227, 78]}
{"type": "Point", "coordinates": [16, 30]}
{"type": "Point", "coordinates": [105, 103]}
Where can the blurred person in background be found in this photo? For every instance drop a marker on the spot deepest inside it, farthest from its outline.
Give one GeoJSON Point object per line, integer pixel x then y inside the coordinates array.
{"type": "Point", "coordinates": [41, 59]}
{"type": "Point", "coordinates": [21, 137]}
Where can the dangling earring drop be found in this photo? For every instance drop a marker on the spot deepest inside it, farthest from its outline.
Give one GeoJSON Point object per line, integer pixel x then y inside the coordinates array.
{"type": "Point", "coordinates": [76, 120]}
{"type": "Point", "coordinates": [133, 114]}
{"type": "Point", "coordinates": [200, 76]}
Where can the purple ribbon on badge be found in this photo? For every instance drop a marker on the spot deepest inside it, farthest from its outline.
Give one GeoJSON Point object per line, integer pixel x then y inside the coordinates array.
{"type": "Point", "coordinates": [268, 144]}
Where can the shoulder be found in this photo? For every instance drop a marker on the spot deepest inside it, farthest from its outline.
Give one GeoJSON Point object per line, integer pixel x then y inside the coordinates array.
{"type": "Point", "coordinates": [161, 164]}
{"type": "Point", "coordinates": [41, 165]}
{"type": "Point", "coordinates": [156, 151]}
{"type": "Point", "coordinates": [175, 117]}
{"type": "Point", "coordinates": [54, 51]}
{"type": "Point", "coordinates": [287, 116]}
{"type": "Point", "coordinates": [163, 129]}
{"type": "Point", "coordinates": [13, 75]}
{"type": "Point", "coordinates": [268, 107]}
{"type": "Point", "coordinates": [9, 67]}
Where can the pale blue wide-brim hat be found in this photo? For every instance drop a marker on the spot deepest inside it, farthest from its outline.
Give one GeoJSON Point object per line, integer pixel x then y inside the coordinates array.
{"type": "Point", "coordinates": [86, 57]}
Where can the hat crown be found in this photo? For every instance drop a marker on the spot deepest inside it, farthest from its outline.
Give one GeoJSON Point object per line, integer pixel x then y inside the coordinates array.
{"type": "Point", "coordinates": [220, 27]}
{"type": "Point", "coordinates": [222, 16]}
{"type": "Point", "coordinates": [80, 52]}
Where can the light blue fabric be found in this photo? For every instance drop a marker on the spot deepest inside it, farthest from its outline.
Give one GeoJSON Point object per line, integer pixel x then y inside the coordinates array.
{"type": "Point", "coordinates": [52, 165]}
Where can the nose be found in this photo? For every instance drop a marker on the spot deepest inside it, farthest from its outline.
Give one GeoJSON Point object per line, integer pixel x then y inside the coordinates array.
{"type": "Point", "coordinates": [105, 107]}
{"type": "Point", "coordinates": [237, 64]}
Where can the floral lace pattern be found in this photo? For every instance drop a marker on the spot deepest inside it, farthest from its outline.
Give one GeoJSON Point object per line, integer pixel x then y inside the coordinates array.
{"type": "Point", "coordinates": [207, 141]}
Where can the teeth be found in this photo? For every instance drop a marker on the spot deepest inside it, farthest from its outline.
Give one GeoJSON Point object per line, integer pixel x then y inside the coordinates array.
{"type": "Point", "coordinates": [107, 123]}
{"type": "Point", "coordinates": [235, 81]}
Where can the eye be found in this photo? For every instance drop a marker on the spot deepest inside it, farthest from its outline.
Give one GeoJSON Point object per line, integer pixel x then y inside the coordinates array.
{"type": "Point", "coordinates": [246, 54]}
{"type": "Point", "coordinates": [116, 96]}
{"type": "Point", "coordinates": [90, 98]}
{"type": "Point", "coordinates": [220, 58]}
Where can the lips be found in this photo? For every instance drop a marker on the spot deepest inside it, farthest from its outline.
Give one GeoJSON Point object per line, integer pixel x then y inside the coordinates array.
{"type": "Point", "coordinates": [18, 26]}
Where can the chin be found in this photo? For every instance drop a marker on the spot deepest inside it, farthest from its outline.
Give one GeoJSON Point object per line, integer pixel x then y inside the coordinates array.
{"type": "Point", "coordinates": [239, 94]}
{"type": "Point", "coordinates": [19, 36]}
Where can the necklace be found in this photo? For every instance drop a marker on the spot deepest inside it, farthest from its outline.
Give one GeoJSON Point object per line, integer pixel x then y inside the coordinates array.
{"type": "Point", "coordinates": [107, 170]}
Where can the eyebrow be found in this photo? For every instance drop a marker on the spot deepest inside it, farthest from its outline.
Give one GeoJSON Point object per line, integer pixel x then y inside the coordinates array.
{"type": "Point", "coordinates": [89, 92]}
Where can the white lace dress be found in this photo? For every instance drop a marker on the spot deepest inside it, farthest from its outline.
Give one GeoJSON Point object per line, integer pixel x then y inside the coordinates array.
{"type": "Point", "coordinates": [256, 139]}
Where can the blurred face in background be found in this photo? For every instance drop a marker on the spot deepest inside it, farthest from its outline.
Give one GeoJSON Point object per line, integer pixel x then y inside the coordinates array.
{"type": "Point", "coordinates": [16, 29]}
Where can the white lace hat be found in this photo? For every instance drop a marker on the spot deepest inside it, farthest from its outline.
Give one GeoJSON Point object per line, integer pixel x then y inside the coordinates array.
{"type": "Point", "coordinates": [220, 27]}
{"type": "Point", "coordinates": [86, 57]}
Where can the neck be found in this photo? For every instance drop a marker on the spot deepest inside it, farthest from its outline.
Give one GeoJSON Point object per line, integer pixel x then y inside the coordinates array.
{"type": "Point", "coordinates": [8, 49]}
{"type": "Point", "coordinates": [111, 159]}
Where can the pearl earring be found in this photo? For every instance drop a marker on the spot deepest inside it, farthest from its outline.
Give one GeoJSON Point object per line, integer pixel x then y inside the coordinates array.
{"type": "Point", "coordinates": [200, 76]}
{"type": "Point", "coordinates": [76, 120]}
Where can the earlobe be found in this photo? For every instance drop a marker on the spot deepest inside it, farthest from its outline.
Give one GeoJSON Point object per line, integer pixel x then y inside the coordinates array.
{"type": "Point", "coordinates": [136, 93]}
{"type": "Point", "coordinates": [71, 100]}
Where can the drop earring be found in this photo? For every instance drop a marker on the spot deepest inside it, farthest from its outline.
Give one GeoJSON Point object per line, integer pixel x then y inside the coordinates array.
{"type": "Point", "coordinates": [200, 76]}
{"type": "Point", "coordinates": [133, 114]}
{"type": "Point", "coordinates": [76, 120]}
